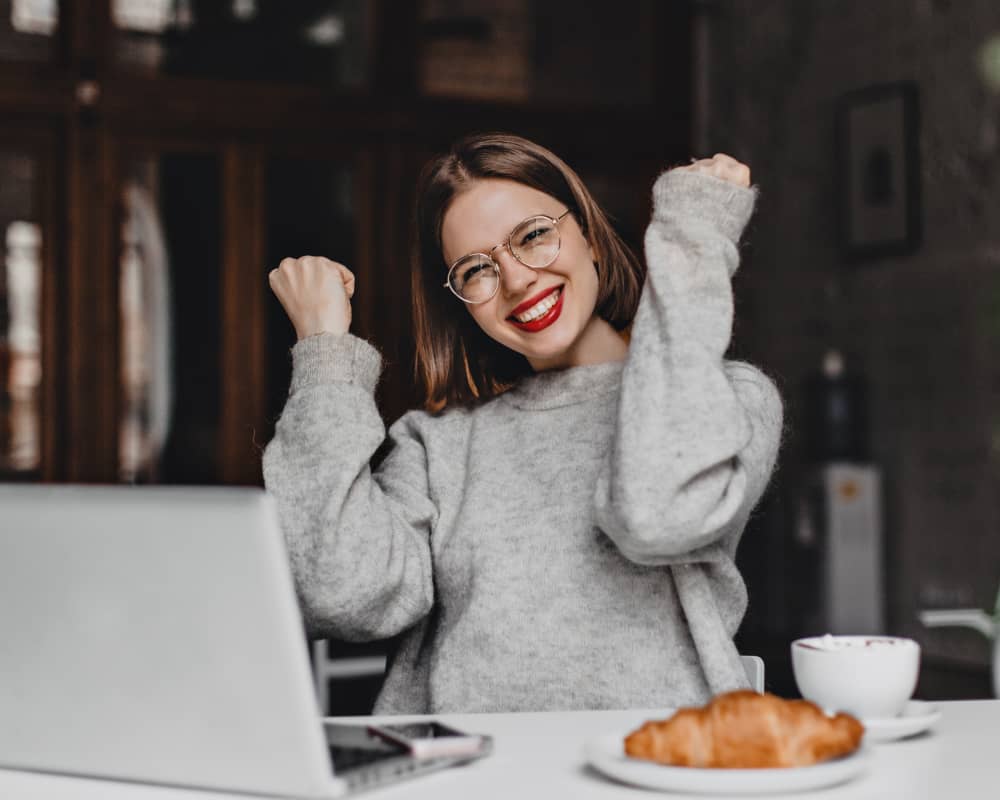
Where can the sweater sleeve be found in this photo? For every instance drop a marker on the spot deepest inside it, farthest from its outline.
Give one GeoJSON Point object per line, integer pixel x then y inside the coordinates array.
{"type": "Point", "coordinates": [358, 542]}
{"type": "Point", "coordinates": [696, 436]}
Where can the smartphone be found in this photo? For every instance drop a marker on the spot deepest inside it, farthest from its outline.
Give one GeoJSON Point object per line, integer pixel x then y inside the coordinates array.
{"type": "Point", "coordinates": [432, 739]}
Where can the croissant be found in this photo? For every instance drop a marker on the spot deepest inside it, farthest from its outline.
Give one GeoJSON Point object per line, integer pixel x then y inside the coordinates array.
{"type": "Point", "coordinates": [744, 729]}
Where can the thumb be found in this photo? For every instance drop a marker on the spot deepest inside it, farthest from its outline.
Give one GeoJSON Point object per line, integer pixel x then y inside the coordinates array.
{"type": "Point", "coordinates": [348, 278]}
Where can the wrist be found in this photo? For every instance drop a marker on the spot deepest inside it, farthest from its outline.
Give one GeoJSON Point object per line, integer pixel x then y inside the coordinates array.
{"type": "Point", "coordinates": [305, 333]}
{"type": "Point", "coordinates": [321, 324]}
{"type": "Point", "coordinates": [683, 194]}
{"type": "Point", "coordinates": [325, 358]}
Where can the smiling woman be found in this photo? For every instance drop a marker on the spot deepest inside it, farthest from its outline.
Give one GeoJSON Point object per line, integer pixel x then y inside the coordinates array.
{"type": "Point", "coordinates": [478, 194]}
{"type": "Point", "coordinates": [556, 529]}
{"type": "Point", "coordinates": [550, 288]}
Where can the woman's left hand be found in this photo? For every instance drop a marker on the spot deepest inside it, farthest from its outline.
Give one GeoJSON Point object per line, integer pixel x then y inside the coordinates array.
{"type": "Point", "coordinates": [722, 166]}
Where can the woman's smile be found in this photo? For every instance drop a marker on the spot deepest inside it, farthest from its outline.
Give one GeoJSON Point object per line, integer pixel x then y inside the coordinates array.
{"type": "Point", "coordinates": [539, 312]}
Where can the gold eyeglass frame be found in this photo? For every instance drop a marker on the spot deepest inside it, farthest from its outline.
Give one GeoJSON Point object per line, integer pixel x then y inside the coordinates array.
{"type": "Point", "coordinates": [506, 244]}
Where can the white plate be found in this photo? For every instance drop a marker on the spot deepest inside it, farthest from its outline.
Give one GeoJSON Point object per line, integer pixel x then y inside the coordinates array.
{"type": "Point", "coordinates": [917, 717]}
{"type": "Point", "coordinates": [607, 754]}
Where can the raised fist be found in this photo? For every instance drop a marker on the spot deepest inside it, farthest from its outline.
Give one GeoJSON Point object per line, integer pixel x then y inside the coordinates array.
{"type": "Point", "coordinates": [722, 166]}
{"type": "Point", "coordinates": [315, 293]}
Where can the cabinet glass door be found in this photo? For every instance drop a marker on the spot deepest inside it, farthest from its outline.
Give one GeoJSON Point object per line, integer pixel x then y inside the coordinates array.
{"type": "Point", "coordinates": [21, 322]}
{"type": "Point", "coordinates": [27, 30]}
{"type": "Point", "coordinates": [169, 290]}
{"type": "Point", "coordinates": [308, 42]}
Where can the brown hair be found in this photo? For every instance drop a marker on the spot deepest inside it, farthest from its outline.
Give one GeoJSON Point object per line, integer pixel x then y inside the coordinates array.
{"type": "Point", "coordinates": [457, 363]}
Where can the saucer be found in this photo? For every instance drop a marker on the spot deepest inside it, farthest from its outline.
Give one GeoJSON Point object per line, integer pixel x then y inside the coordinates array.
{"type": "Point", "coordinates": [607, 755]}
{"type": "Point", "coordinates": [918, 716]}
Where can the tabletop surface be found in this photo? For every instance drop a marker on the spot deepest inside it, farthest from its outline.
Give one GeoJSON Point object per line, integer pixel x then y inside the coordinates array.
{"type": "Point", "coordinates": [541, 755]}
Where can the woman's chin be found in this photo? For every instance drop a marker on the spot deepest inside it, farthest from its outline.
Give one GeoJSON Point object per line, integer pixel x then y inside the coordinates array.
{"type": "Point", "coordinates": [549, 347]}
{"type": "Point", "coordinates": [548, 358]}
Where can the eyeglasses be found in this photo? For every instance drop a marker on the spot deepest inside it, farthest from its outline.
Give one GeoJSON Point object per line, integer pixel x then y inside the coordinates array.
{"type": "Point", "coordinates": [535, 243]}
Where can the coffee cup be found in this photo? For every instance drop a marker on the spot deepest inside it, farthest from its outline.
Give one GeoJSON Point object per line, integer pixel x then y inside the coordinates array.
{"type": "Point", "coordinates": [866, 676]}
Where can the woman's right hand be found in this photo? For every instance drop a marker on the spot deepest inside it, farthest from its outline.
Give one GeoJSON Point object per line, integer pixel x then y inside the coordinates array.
{"type": "Point", "coordinates": [315, 293]}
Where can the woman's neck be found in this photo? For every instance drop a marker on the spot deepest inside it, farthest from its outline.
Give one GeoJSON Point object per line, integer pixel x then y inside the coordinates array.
{"type": "Point", "coordinates": [598, 342]}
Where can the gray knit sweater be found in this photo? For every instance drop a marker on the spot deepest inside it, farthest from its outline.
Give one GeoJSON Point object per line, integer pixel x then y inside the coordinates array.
{"type": "Point", "coordinates": [566, 545]}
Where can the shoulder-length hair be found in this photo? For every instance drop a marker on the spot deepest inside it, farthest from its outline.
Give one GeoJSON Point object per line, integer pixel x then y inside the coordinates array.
{"type": "Point", "coordinates": [456, 362]}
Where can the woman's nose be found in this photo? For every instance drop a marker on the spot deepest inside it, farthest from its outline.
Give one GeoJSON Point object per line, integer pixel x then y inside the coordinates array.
{"type": "Point", "coordinates": [514, 276]}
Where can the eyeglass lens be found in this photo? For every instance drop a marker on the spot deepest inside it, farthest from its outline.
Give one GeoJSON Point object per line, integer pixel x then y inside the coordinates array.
{"type": "Point", "coordinates": [534, 243]}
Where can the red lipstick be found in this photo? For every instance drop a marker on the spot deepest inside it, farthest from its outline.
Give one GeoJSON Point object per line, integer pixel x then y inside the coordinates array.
{"type": "Point", "coordinates": [532, 301]}
{"type": "Point", "coordinates": [546, 319]}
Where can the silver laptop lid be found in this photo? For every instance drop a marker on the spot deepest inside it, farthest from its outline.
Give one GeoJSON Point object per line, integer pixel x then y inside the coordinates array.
{"type": "Point", "coordinates": [152, 634]}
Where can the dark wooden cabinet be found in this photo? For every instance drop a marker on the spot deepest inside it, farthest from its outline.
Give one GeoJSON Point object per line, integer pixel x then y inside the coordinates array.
{"type": "Point", "coordinates": [173, 161]}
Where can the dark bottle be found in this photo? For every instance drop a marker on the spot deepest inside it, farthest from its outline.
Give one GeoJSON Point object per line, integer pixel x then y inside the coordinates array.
{"type": "Point", "coordinates": [835, 420]}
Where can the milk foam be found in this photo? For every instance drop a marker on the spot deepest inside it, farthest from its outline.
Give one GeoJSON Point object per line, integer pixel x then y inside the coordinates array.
{"type": "Point", "coordinates": [829, 642]}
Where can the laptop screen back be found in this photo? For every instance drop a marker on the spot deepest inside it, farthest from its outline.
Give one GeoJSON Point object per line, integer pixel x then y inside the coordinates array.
{"type": "Point", "coordinates": [152, 634]}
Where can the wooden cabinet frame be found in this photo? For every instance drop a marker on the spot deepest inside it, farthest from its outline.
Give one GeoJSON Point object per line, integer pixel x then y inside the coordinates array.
{"type": "Point", "coordinates": [383, 132]}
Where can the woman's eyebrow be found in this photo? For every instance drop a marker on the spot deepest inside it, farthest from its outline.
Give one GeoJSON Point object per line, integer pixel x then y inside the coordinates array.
{"type": "Point", "coordinates": [510, 231]}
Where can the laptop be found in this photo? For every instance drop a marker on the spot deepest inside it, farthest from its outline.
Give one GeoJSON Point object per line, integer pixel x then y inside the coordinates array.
{"type": "Point", "coordinates": [152, 634]}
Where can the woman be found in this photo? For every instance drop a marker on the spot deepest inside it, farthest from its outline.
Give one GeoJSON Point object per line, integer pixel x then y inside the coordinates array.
{"type": "Point", "coordinates": [557, 529]}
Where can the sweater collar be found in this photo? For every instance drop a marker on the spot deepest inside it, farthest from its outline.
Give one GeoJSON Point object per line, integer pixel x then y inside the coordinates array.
{"type": "Point", "coordinates": [572, 385]}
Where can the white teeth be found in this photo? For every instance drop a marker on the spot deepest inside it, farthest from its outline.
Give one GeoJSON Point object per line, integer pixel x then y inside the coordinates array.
{"type": "Point", "coordinates": [539, 308]}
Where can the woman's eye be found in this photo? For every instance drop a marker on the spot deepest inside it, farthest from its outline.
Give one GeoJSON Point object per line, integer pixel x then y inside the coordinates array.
{"type": "Point", "coordinates": [471, 272]}
{"type": "Point", "coordinates": [533, 235]}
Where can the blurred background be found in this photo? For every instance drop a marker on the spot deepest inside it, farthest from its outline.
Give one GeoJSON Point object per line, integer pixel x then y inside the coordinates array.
{"type": "Point", "coordinates": [159, 157]}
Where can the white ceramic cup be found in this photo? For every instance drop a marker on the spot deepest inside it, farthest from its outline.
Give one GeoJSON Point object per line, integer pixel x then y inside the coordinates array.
{"type": "Point", "coordinates": [866, 676]}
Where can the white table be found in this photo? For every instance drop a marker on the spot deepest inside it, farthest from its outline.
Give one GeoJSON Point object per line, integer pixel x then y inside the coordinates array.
{"type": "Point", "coordinates": [540, 755]}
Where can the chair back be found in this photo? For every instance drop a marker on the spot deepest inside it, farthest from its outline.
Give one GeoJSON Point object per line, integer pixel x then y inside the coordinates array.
{"type": "Point", "coordinates": [754, 666]}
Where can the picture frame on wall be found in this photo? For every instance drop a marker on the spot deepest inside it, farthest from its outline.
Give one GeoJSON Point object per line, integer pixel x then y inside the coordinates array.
{"type": "Point", "coordinates": [879, 166]}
